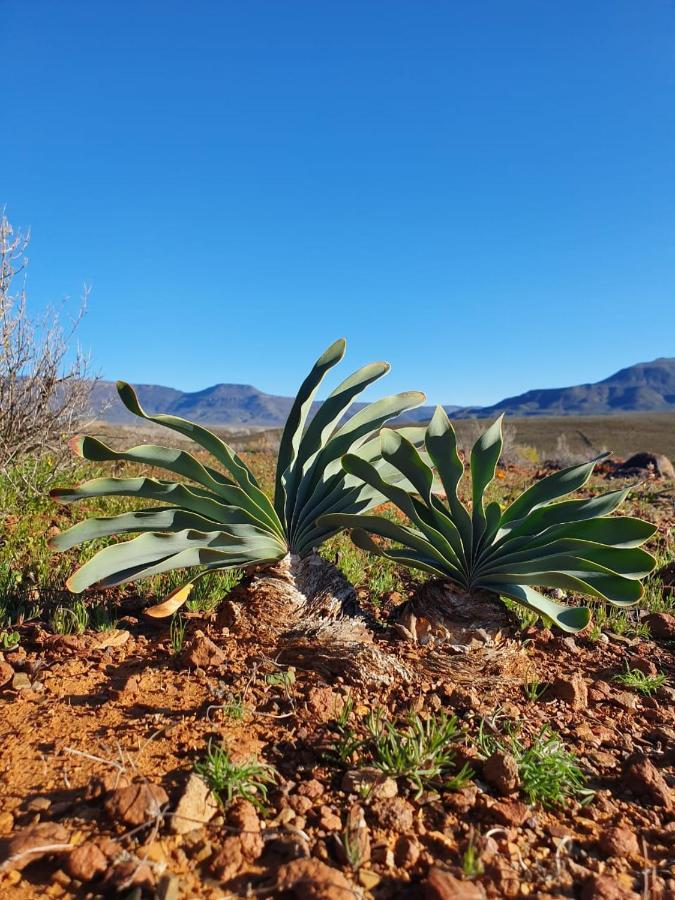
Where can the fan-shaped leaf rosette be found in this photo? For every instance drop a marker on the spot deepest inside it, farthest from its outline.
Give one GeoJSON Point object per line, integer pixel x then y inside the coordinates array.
{"type": "Point", "coordinates": [538, 540]}
{"type": "Point", "coordinates": [218, 517]}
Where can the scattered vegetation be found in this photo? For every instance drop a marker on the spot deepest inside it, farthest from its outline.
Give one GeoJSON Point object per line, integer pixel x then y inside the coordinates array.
{"type": "Point", "coordinates": [535, 540]}
{"type": "Point", "coordinates": [228, 780]}
{"type": "Point", "coordinates": [177, 633]}
{"type": "Point", "coordinates": [228, 521]}
{"type": "Point", "coordinates": [640, 681]}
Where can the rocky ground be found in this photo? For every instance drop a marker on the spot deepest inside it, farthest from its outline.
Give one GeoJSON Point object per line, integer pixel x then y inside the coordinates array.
{"type": "Point", "coordinates": [100, 734]}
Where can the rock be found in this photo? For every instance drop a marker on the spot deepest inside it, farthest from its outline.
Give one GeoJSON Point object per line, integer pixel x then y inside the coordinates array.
{"type": "Point", "coordinates": [441, 885]}
{"type": "Point", "coordinates": [21, 682]}
{"type": "Point", "coordinates": [86, 862]}
{"type": "Point", "coordinates": [243, 818]}
{"type": "Point", "coordinates": [6, 673]}
{"type": "Point", "coordinates": [28, 844]}
{"type": "Point", "coordinates": [229, 859]}
{"type": "Point", "coordinates": [571, 690]}
{"type": "Point", "coordinates": [394, 813]}
{"type": "Point", "coordinates": [202, 653]}
{"type": "Point", "coordinates": [300, 804]}
{"type": "Point", "coordinates": [621, 842]}
{"type": "Point", "coordinates": [196, 807]}
{"type": "Point", "coordinates": [464, 699]}
{"type": "Point", "coordinates": [501, 771]}
{"type": "Point", "coordinates": [643, 779]}
{"type": "Point", "coordinates": [506, 878]}
{"type": "Point", "coordinates": [369, 783]}
{"type": "Point", "coordinates": [329, 820]}
{"type": "Point", "coordinates": [604, 887]}
{"type": "Point", "coordinates": [136, 804]}
{"type": "Point", "coordinates": [130, 874]}
{"type": "Point", "coordinates": [407, 851]}
{"type": "Point", "coordinates": [168, 887]}
{"type": "Point", "coordinates": [311, 879]}
{"type": "Point", "coordinates": [661, 626]}
{"type": "Point", "coordinates": [509, 812]}
{"type": "Point", "coordinates": [312, 789]}
{"type": "Point", "coordinates": [324, 703]}
{"type": "Point", "coordinates": [463, 800]}
{"type": "Point", "coordinates": [657, 463]}
{"type": "Point", "coordinates": [6, 823]}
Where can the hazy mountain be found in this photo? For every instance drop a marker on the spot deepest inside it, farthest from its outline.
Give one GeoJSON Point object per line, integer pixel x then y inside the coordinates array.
{"type": "Point", "coordinates": [645, 387]}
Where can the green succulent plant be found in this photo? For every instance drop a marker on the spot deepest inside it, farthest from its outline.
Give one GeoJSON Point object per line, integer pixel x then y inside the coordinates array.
{"type": "Point", "coordinates": [217, 520]}
{"type": "Point", "coordinates": [574, 544]}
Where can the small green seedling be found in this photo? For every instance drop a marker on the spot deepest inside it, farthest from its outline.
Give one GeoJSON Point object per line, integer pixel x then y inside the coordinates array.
{"type": "Point", "coordinates": [177, 633]}
{"type": "Point", "coordinates": [9, 640]}
{"type": "Point", "coordinates": [70, 619]}
{"type": "Point", "coordinates": [472, 864]}
{"type": "Point", "coordinates": [228, 780]}
{"type": "Point", "coordinates": [534, 690]}
{"type": "Point", "coordinates": [640, 681]}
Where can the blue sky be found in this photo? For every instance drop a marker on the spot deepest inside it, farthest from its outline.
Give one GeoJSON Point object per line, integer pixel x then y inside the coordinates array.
{"type": "Point", "coordinates": [481, 193]}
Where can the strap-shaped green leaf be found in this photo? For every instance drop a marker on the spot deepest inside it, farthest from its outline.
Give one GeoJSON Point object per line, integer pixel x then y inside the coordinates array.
{"type": "Point", "coordinates": [194, 499]}
{"type": "Point", "coordinates": [202, 436]}
{"type": "Point", "coordinates": [150, 548]}
{"type": "Point", "coordinates": [604, 584]}
{"type": "Point", "coordinates": [295, 424]}
{"type": "Point", "coordinates": [484, 458]}
{"type": "Point", "coordinates": [441, 444]}
{"type": "Point", "coordinates": [361, 426]}
{"type": "Point", "coordinates": [156, 519]}
{"type": "Point", "coordinates": [404, 557]}
{"type": "Point", "coordinates": [551, 488]}
{"type": "Point", "coordinates": [569, 618]}
{"type": "Point", "coordinates": [173, 460]}
{"type": "Point", "coordinates": [629, 562]}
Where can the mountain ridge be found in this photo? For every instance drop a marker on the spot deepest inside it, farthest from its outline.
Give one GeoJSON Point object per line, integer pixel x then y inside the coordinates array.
{"type": "Point", "coordinates": [643, 387]}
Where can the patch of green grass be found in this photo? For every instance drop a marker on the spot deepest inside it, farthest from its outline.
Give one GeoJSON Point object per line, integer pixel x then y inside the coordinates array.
{"type": "Point", "coordinates": [9, 640]}
{"type": "Point", "coordinates": [177, 633]}
{"type": "Point", "coordinates": [641, 682]}
{"type": "Point", "coordinates": [72, 619]}
{"type": "Point", "coordinates": [227, 780]}
{"type": "Point", "coordinates": [472, 864]}
{"type": "Point", "coordinates": [549, 774]}
{"type": "Point", "coordinates": [422, 751]}
{"type": "Point", "coordinates": [102, 618]}
{"type": "Point", "coordinates": [533, 690]}
{"type": "Point", "coordinates": [209, 591]}
{"type": "Point", "coordinates": [234, 709]}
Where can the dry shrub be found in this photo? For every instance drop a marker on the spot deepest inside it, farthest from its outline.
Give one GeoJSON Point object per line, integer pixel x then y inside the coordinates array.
{"type": "Point", "coordinates": [45, 380]}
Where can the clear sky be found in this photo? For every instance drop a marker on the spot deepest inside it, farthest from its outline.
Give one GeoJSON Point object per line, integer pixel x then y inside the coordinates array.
{"type": "Point", "coordinates": [482, 193]}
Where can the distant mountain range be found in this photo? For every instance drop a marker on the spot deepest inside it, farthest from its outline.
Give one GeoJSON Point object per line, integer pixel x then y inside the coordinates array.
{"type": "Point", "coordinates": [644, 387]}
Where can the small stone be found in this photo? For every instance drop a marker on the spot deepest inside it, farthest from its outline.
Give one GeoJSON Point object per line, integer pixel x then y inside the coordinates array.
{"type": "Point", "coordinates": [328, 820]}
{"type": "Point", "coordinates": [441, 885]}
{"type": "Point", "coordinates": [571, 690]}
{"type": "Point", "coordinates": [20, 682]}
{"type": "Point", "coordinates": [242, 817]}
{"type": "Point", "coordinates": [509, 812]}
{"type": "Point", "coordinates": [644, 780]}
{"type": "Point", "coordinates": [6, 822]}
{"type": "Point", "coordinates": [661, 626]}
{"type": "Point", "coordinates": [168, 887]}
{"type": "Point", "coordinates": [196, 806]}
{"type": "Point", "coordinates": [131, 874]}
{"type": "Point", "coordinates": [407, 851]}
{"type": "Point", "coordinates": [23, 847]}
{"type": "Point", "coordinates": [501, 771]}
{"type": "Point", "coordinates": [604, 887]}
{"type": "Point", "coordinates": [312, 789]}
{"type": "Point", "coordinates": [463, 800]}
{"type": "Point", "coordinates": [86, 862]}
{"type": "Point", "coordinates": [311, 879]}
{"type": "Point", "coordinates": [369, 784]}
{"type": "Point", "coordinates": [395, 814]}
{"type": "Point", "coordinates": [324, 703]}
{"type": "Point", "coordinates": [38, 804]}
{"type": "Point", "coordinates": [228, 860]}
{"type": "Point", "coordinates": [6, 673]}
{"type": "Point", "coordinates": [621, 842]}
{"type": "Point", "coordinates": [137, 804]}
{"type": "Point", "coordinates": [203, 653]}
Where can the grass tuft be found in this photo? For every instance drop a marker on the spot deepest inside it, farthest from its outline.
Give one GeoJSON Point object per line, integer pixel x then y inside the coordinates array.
{"type": "Point", "coordinates": [228, 780]}
{"type": "Point", "coordinates": [639, 681]}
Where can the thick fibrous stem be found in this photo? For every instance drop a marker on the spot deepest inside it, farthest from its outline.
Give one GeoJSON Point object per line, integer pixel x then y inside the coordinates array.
{"type": "Point", "coordinates": [311, 611]}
